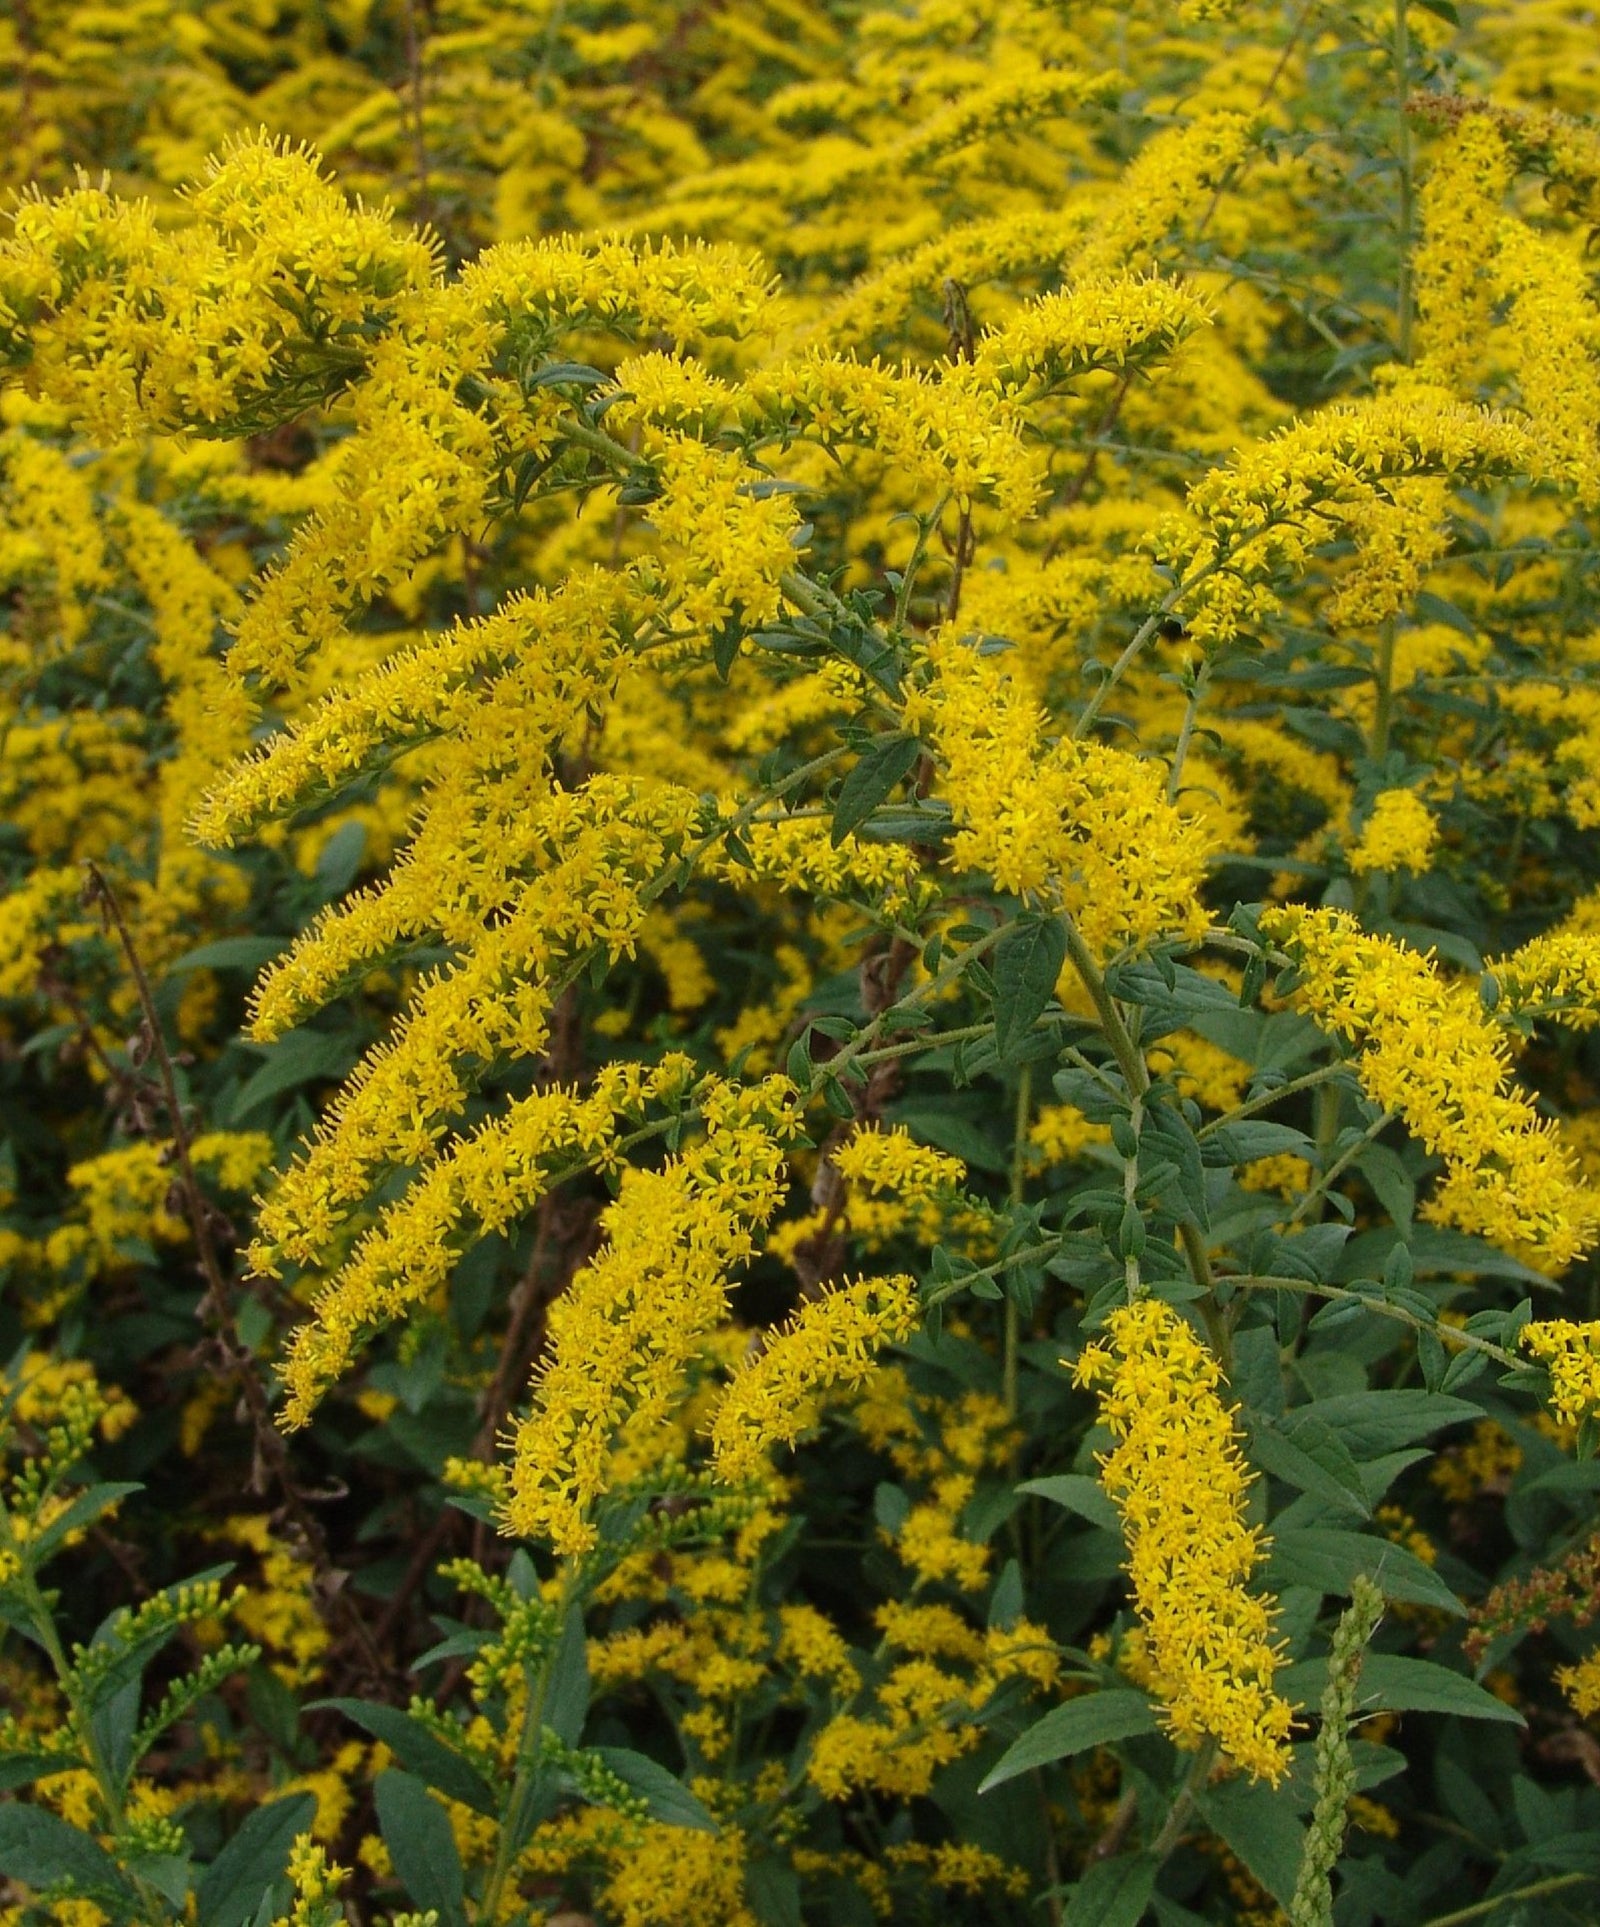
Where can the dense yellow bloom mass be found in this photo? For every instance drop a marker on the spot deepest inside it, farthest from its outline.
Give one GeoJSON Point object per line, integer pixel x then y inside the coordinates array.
{"type": "Point", "coordinates": [1581, 1684]}
{"type": "Point", "coordinates": [632, 1319]}
{"type": "Point", "coordinates": [1556, 976]}
{"type": "Point", "coordinates": [1427, 1050]}
{"type": "Point", "coordinates": [830, 1341]}
{"type": "Point", "coordinates": [1087, 828]}
{"type": "Point", "coordinates": [893, 1161]}
{"type": "Point", "coordinates": [558, 560]}
{"type": "Point", "coordinates": [1179, 1481]}
{"type": "Point", "coordinates": [1361, 469]}
{"type": "Point", "coordinates": [1399, 833]}
{"type": "Point", "coordinates": [482, 1183]}
{"type": "Point", "coordinates": [1571, 1353]}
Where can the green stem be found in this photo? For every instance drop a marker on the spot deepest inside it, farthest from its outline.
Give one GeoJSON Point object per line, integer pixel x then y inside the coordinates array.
{"type": "Point", "coordinates": [1404, 296]}
{"type": "Point", "coordinates": [1019, 1179]}
{"type": "Point", "coordinates": [1267, 1099]}
{"type": "Point", "coordinates": [1130, 1060]}
{"type": "Point", "coordinates": [1141, 638]}
{"type": "Point", "coordinates": [1178, 1815]}
{"type": "Point", "coordinates": [49, 1639]}
{"type": "Point", "coordinates": [1199, 1262]}
{"type": "Point", "coordinates": [1383, 1307]}
{"type": "Point", "coordinates": [1197, 690]}
{"type": "Point", "coordinates": [525, 1786]}
{"type": "Point", "coordinates": [1383, 706]}
{"type": "Point", "coordinates": [44, 1628]}
{"type": "Point", "coordinates": [925, 527]}
{"type": "Point", "coordinates": [926, 1040]}
{"type": "Point", "coordinates": [1046, 1248]}
{"type": "Point", "coordinates": [1481, 1909]}
{"type": "Point", "coordinates": [610, 451]}
{"type": "Point", "coordinates": [1313, 1198]}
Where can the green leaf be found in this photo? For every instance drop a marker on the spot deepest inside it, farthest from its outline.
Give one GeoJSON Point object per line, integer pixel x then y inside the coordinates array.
{"type": "Point", "coordinates": [1006, 1602]}
{"type": "Point", "coordinates": [1331, 1559]}
{"type": "Point", "coordinates": [420, 1749]}
{"type": "Point", "coordinates": [1079, 1494]}
{"type": "Point", "coordinates": [1391, 1182]}
{"type": "Point", "coordinates": [168, 1873]}
{"type": "Point", "coordinates": [1096, 1719]}
{"type": "Point", "coordinates": [231, 953]}
{"type": "Point", "coordinates": [1373, 1423]}
{"type": "Point", "coordinates": [725, 640]}
{"type": "Point", "coordinates": [1259, 1825]}
{"type": "Point", "coordinates": [1026, 966]}
{"type": "Point", "coordinates": [948, 1130]}
{"type": "Point", "coordinates": [113, 1723]}
{"type": "Point", "coordinates": [1309, 1455]}
{"type": "Point", "coordinates": [299, 1057]}
{"type": "Point", "coordinates": [1112, 1893]}
{"type": "Point", "coordinates": [576, 374]}
{"type": "Point", "coordinates": [890, 1507]}
{"type": "Point", "coordinates": [669, 1800]}
{"type": "Point", "coordinates": [567, 1700]}
{"type": "Point", "coordinates": [772, 1893]}
{"type": "Point", "coordinates": [1446, 10]}
{"type": "Point", "coordinates": [1253, 1138]}
{"type": "Point", "coordinates": [929, 821]}
{"type": "Point", "coordinates": [1168, 1135]}
{"type": "Point", "coordinates": [1392, 1683]}
{"type": "Point", "coordinates": [340, 859]}
{"type": "Point", "coordinates": [39, 1850]}
{"type": "Point", "coordinates": [889, 761]}
{"type": "Point", "coordinates": [17, 1769]}
{"type": "Point", "coordinates": [87, 1506]}
{"type": "Point", "coordinates": [252, 1863]}
{"type": "Point", "coordinates": [1431, 607]}
{"type": "Point", "coordinates": [421, 1843]}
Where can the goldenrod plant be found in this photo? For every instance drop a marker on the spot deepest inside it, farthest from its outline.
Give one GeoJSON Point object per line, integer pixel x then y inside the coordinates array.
{"type": "Point", "coordinates": [799, 963]}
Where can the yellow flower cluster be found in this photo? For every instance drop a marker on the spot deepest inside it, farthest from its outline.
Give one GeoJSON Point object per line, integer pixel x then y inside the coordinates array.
{"type": "Point", "coordinates": [1399, 833]}
{"type": "Point", "coordinates": [279, 1607]}
{"type": "Point", "coordinates": [895, 1162]}
{"type": "Point", "coordinates": [924, 1708]}
{"type": "Point", "coordinates": [316, 1882]}
{"type": "Point", "coordinates": [1555, 976]}
{"type": "Point", "coordinates": [647, 654]}
{"type": "Point", "coordinates": [950, 435]}
{"type": "Point", "coordinates": [1581, 1684]}
{"type": "Point", "coordinates": [514, 682]}
{"type": "Point", "coordinates": [1362, 468]}
{"type": "Point", "coordinates": [1060, 1133]}
{"type": "Point", "coordinates": [1085, 828]}
{"type": "Point", "coordinates": [589, 853]}
{"type": "Point", "coordinates": [1570, 1351]}
{"type": "Point", "coordinates": [832, 1340]}
{"type": "Point", "coordinates": [482, 1183]}
{"type": "Point", "coordinates": [260, 308]}
{"type": "Point", "coordinates": [1428, 1051]}
{"type": "Point", "coordinates": [724, 548]}
{"type": "Point", "coordinates": [32, 923]}
{"type": "Point", "coordinates": [810, 1644]}
{"type": "Point", "coordinates": [622, 1333]}
{"type": "Point", "coordinates": [1116, 323]}
{"type": "Point", "coordinates": [1179, 1481]}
